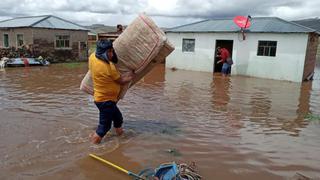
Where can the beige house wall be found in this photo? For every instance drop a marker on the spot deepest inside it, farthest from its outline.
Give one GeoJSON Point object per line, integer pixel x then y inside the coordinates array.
{"type": "Point", "coordinates": [43, 42]}
{"type": "Point", "coordinates": [26, 32]}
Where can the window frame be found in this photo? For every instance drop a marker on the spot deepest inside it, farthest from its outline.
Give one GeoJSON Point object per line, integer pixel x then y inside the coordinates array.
{"type": "Point", "coordinates": [4, 40]}
{"type": "Point", "coordinates": [266, 47]}
{"type": "Point", "coordinates": [194, 45]}
{"type": "Point", "coordinates": [17, 40]}
{"type": "Point", "coordinates": [62, 42]}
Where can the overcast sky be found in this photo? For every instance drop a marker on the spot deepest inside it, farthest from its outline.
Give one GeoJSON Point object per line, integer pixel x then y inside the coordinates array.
{"type": "Point", "coordinates": [166, 13]}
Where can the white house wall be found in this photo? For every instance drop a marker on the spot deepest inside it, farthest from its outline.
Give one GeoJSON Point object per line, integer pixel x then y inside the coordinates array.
{"type": "Point", "coordinates": [287, 65]}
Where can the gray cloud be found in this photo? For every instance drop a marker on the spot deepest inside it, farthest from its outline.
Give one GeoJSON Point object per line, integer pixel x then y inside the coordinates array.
{"type": "Point", "coordinates": [123, 11]}
{"type": "Point", "coordinates": [218, 9]}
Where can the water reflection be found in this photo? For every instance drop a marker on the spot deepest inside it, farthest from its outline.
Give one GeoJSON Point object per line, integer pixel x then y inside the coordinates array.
{"type": "Point", "coordinates": [220, 91]}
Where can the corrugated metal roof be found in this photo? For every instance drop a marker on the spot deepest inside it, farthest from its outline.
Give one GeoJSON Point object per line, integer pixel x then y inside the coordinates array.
{"type": "Point", "coordinates": [47, 21]}
{"type": "Point", "coordinates": [92, 33]}
{"type": "Point", "coordinates": [259, 24]}
{"type": "Point", "coordinates": [310, 23]}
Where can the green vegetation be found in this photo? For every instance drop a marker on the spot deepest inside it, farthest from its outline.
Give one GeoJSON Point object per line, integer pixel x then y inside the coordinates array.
{"type": "Point", "coordinates": [312, 117]}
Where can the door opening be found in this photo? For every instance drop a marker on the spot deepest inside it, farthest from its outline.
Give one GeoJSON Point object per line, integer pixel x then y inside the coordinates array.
{"type": "Point", "coordinates": [228, 44]}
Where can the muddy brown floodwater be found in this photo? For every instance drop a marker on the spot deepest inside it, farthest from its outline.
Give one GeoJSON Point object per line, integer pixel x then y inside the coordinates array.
{"type": "Point", "coordinates": [235, 128]}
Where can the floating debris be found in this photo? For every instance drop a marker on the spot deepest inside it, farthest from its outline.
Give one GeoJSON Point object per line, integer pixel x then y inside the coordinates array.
{"type": "Point", "coordinates": [188, 172]}
{"type": "Point", "coordinates": [173, 152]}
{"type": "Point", "coordinates": [174, 69]}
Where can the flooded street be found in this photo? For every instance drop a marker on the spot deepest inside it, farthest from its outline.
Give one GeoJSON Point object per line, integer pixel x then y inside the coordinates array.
{"type": "Point", "coordinates": [233, 128]}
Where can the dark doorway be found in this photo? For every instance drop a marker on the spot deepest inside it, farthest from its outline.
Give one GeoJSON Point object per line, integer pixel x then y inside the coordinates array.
{"type": "Point", "coordinates": [228, 44]}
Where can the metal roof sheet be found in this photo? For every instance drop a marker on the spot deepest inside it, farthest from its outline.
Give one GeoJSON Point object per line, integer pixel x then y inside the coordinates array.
{"type": "Point", "coordinates": [258, 24]}
{"type": "Point", "coordinates": [47, 21]}
{"type": "Point", "coordinates": [311, 23]}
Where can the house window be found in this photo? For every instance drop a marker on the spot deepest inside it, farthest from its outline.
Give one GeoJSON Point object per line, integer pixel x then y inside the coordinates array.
{"type": "Point", "coordinates": [267, 48]}
{"type": "Point", "coordinates": [19, 40]}
{"type": "Point", "coordinates": [5, 40]}
{"type": "Point", "coordinates": [188, 45]}
{"type": "Point", "coordinates": [62, 41]}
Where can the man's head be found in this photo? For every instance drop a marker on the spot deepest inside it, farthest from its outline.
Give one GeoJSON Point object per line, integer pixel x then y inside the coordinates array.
{"type": "Point", "coordinates": [119, 28]}
{"type": "Point", "coordinates": [105, 51]}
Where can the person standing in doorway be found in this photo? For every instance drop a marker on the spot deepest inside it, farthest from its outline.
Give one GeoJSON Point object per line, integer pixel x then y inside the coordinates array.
{"type": "Point", "coordinates": [106, 84]}
{"type": "Point", "coordinates": [226, 59]}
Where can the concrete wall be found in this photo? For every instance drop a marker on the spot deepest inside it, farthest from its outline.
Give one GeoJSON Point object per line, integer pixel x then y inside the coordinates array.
{"type": "Point", "coordinates": [50, 34]}
{"type": "Point", "coordinates": [287, 65]}
{"type": "Point", "coordinates": [42, 43]}
{"type": "Point", "coordinates": [27, 36]}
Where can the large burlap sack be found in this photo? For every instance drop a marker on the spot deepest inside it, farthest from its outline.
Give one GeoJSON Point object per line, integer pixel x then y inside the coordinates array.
{"type": "Point", "coordinates": [165, 50]}
{"type": "Point", "coordinates": [142, 46]}
{"type": "Point", "coordinates": [138, 44]}
{"type": "Point", "coordinates": [87, 84]}
{"type": "Point", "coordinates": [139, 48]}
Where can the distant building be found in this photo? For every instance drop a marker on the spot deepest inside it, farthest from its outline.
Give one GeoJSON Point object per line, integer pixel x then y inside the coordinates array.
{"type": "Point", "coordinates": [47, 36]}
{"type": "Point", "coordinates": [92, 41]}
{"type": "Point", "coordinates": [111, 35]}
{"type": "Point", "coordinates": [92, 37]}
{"type": "Point", "coordinates": [272, 48]}
{"type": "Point", "coordinates": [100, 31]}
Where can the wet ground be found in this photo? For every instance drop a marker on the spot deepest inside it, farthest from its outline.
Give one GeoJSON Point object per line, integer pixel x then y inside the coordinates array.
{"type": "Point", "coordinates": [234, 128]}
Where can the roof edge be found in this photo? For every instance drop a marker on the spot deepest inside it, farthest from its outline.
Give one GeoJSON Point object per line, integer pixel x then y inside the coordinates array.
{"type": "Point", "coordinates": [189, 24]}
{"type": "Point", "coordinates": [44, 17]}
{"type": "Point", "coordinates": [296, 24]}
{"type": "Point", "coordinates": [239, 31]}
{"type": "Point", "coordinates": [21, 17]}
{"type": "Point", "coordinates": [303, 29]}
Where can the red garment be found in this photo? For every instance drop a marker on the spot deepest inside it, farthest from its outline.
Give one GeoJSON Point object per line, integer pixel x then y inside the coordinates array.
{"type": "Point", "coordinates": [224, 54]}
{"type": "Point", "coordinates": [25, 61]}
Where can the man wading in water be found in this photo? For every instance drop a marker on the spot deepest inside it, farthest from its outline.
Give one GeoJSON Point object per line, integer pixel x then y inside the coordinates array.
{"type": "Point", "coordinates": [106, 84]}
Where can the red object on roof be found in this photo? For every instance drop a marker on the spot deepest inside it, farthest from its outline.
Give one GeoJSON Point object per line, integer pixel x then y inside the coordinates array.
{"type": "Point", "coordinates": [242, 22]}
